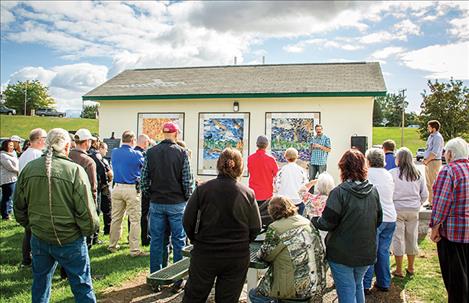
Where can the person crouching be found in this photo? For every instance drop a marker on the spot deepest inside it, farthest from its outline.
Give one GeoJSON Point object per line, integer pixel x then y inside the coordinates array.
{"type": "Point", "coordinates": [295, 252]}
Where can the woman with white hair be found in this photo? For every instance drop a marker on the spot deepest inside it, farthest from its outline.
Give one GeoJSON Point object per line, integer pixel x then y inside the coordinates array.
{"type": "Point", "coordinates": [409, 194]}
{"type": "Point", "coordinates": [53, 198]}
{"type": "Point", "coordinates": [315, 203]}
{"type": "Point", "coordinates": [382, 180]}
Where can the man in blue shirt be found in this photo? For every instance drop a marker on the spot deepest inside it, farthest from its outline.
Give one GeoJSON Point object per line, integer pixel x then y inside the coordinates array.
{"type": "Point", "coordinates": [320, 148]}
{"type": "Point", "coordinates": [388, 147]}
{"type": "Point", "coordinates": [432, 156]}
{"type": "Point", "coordinates": [127, 164]}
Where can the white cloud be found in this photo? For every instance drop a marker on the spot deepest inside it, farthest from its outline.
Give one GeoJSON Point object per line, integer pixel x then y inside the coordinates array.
{"type": "Point", "coordinates": [460, 27]}
{"type": "Point", "coordinates": [294, 48]}
{"type": "Point", "coordinates": [378, 37]}
{"type": "Point", "coordinates": [430, 18]}
{"type": "Point", "coordinates": [32, 73]}
{"type": "Point", "coordinates": [386, 52]}
{"type": "Point", "coordinates": [6, 14]}
{"type": "Point", "coordinates": [407, 27]}
{"type": "Point", "coordinates": [67, 83]}
{"type": "Point", "coordinates": [441, 61]}
{"type": "Point", "coordinates": [339, 43]}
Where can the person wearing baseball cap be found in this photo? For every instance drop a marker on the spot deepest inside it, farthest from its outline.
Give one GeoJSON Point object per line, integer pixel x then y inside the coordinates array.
{"type": "Point", "coordinates": [167, 179]}
{"type": "Point", "coordinates": [16, 143]}
{"type": "Point", "coordinates": [170, 128]}
{"type": "Point", "coordinates": [79, 155]}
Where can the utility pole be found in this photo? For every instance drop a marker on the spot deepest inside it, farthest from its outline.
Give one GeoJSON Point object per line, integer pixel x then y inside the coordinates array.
{"type": "Point", "coordinates": [25, 96]}
{"type": "Point", "coordinates": [402, 95]}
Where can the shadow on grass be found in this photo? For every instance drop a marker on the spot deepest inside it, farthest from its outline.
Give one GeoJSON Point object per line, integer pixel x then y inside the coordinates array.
{"type": "Point", "coordinates": [139, 294]}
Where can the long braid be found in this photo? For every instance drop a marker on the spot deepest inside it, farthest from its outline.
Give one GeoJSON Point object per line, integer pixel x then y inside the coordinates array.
{"type": "Point", "coordinates": [56, 140]}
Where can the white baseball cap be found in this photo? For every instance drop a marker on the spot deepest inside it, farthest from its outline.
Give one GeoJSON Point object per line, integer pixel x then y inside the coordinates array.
{"type": "Point", "coordinates": [15, 138]}
{"type": "Point", "coordinates": [83, 134]}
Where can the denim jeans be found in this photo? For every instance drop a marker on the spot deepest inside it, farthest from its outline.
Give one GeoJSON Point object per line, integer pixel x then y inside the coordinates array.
{"type": "Point", "coordinates": [348, 282]}
{"type": "Point", "coordinates": [314, 172]}
{"type": "Point", "coordinates": [73, 257]}
{"type": "Point", "coordinates": [301, 208]}
{"type": "Point", "coordinates": [382, 266]}
{"type": "Point", "coordinates": [159, 214]}
{"type": "Point", "coordinates": [7, 194]}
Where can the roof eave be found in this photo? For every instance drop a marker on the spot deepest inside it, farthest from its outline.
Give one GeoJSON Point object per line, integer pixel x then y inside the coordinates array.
{"type": "Point", "coordinates": [237, 95]}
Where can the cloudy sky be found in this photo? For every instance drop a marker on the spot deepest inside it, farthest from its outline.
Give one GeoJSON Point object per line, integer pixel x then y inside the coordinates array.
{"type": "Point", "coordinates": [75, 46]}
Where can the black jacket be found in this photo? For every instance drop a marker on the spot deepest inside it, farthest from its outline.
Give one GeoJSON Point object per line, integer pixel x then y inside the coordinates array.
{"type": "Point", "coordinates": [165, 163]}
{"type": "Point", "coordinates": [352, 215]}
{"type": "Point", "coordinates": [229, 218]}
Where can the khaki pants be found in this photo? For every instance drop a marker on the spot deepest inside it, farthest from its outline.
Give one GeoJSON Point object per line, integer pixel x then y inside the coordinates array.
{"type": "Point", "coordinates": [431, 172]}
{"type": "Point", "coordinates": [125, 197]}
{"type": "Point", "coordinates": [404, 240]}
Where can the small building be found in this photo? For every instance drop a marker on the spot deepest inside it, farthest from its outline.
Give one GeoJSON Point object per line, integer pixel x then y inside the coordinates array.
{"type": "Point", "coordinates": [219, 106]}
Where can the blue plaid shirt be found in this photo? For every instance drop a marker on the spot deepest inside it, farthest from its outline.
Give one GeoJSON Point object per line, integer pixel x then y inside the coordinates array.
{"type": "Point", "coordinates": [318, 156]}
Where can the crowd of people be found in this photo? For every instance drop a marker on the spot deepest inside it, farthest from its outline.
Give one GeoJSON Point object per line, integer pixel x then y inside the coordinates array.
{"type": "Point", "coordinates": [60, 184]}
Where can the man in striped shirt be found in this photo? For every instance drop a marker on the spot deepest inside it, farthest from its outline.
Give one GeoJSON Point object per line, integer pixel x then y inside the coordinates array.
{"type": "Point", "coordinates": [450, 220]}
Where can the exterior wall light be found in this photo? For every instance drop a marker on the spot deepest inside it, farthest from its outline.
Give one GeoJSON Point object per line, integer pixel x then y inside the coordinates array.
{"type": "Point", "coordinates": [236, 106]}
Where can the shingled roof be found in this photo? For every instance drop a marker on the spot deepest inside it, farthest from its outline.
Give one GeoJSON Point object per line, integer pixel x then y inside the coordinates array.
{"type": "Point", "coordinates": [276, 80]}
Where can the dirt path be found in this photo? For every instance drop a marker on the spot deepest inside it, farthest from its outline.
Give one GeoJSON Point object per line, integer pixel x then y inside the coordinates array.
{"type": "Point", "coordinates": [136, 291]}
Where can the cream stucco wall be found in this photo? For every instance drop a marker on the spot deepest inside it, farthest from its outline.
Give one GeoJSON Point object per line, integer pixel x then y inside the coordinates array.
{"type": "Point", "coordinates": [341, 117]}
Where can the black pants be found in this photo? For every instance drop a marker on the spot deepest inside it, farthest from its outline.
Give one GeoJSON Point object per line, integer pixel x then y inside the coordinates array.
{"type": "Point", "coordinates": [106, 209]}
{"type": "Point", "coordinates": [230, 274]}
{"type": "Point", "coordinates": [27, 247]}
{"type": "Point", "coordinates": [144, 220]}
{"type": "Point", "coordinates": [453, 258]}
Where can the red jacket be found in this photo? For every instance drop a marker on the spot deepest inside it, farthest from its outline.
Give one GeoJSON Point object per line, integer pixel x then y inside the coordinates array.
{"type": "Point", "coordinates": [262, 170]}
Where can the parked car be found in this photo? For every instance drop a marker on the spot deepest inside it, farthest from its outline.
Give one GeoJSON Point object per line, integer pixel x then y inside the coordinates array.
{"type": "Point", "coordinates": [49, 112]}
{"type": "Point", "coordinates": [6, 110]}
{"type": "Point", "coordinates": [419, 154]}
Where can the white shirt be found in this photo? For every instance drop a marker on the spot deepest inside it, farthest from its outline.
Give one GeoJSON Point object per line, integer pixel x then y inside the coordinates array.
{"type": "Point", "coordinates": [29, 155]}
{"type": "Point", "coordinates": [289, 180]}
{"type": "Point", "coordinates": [384, 183]}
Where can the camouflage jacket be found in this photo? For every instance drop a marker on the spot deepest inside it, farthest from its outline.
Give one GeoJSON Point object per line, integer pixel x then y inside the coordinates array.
{"type": "Point", "coordinates": [297, 268]}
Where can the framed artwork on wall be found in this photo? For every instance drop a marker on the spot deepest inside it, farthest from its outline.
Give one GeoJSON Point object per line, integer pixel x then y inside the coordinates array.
{"type": "Point", "coordinates": [291, 129]}
{"type": "Point", "coordinates": [217, 131]}
{"type": "Point", "coordinates": [151, 124]}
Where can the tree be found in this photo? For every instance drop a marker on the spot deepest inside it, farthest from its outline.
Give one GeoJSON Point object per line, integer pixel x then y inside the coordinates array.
{"type": "Point", "coordinates": [378, 113]}
{"type": "Point", "coordinates": [90, 112]}
{"type": "Point", "coordinates": [391, 107]}
{"type": "Point", "coordinates": [449, 104]}
{"type": "Point", "coordinates": [37, 96]}
{"type": "Point", "coordinates": [411, 119]}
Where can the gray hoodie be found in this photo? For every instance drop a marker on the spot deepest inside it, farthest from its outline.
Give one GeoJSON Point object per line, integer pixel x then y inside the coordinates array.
{"type": "Point", "coordinates": [352, 215]}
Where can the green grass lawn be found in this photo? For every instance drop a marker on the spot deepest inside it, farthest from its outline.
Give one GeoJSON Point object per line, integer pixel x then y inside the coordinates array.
{"type": "Point", "coordinates": [107, 269]}
{"type": "Point", "coordinates": [22, 125]}
{"type": "Point", "coordinates": [427, 284]}
{"type": "Point", "coordinates": [411, 137]}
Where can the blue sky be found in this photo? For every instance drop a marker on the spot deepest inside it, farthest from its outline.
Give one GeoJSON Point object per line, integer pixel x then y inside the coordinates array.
{"type": "Point", "coordinates": [75, 46]}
